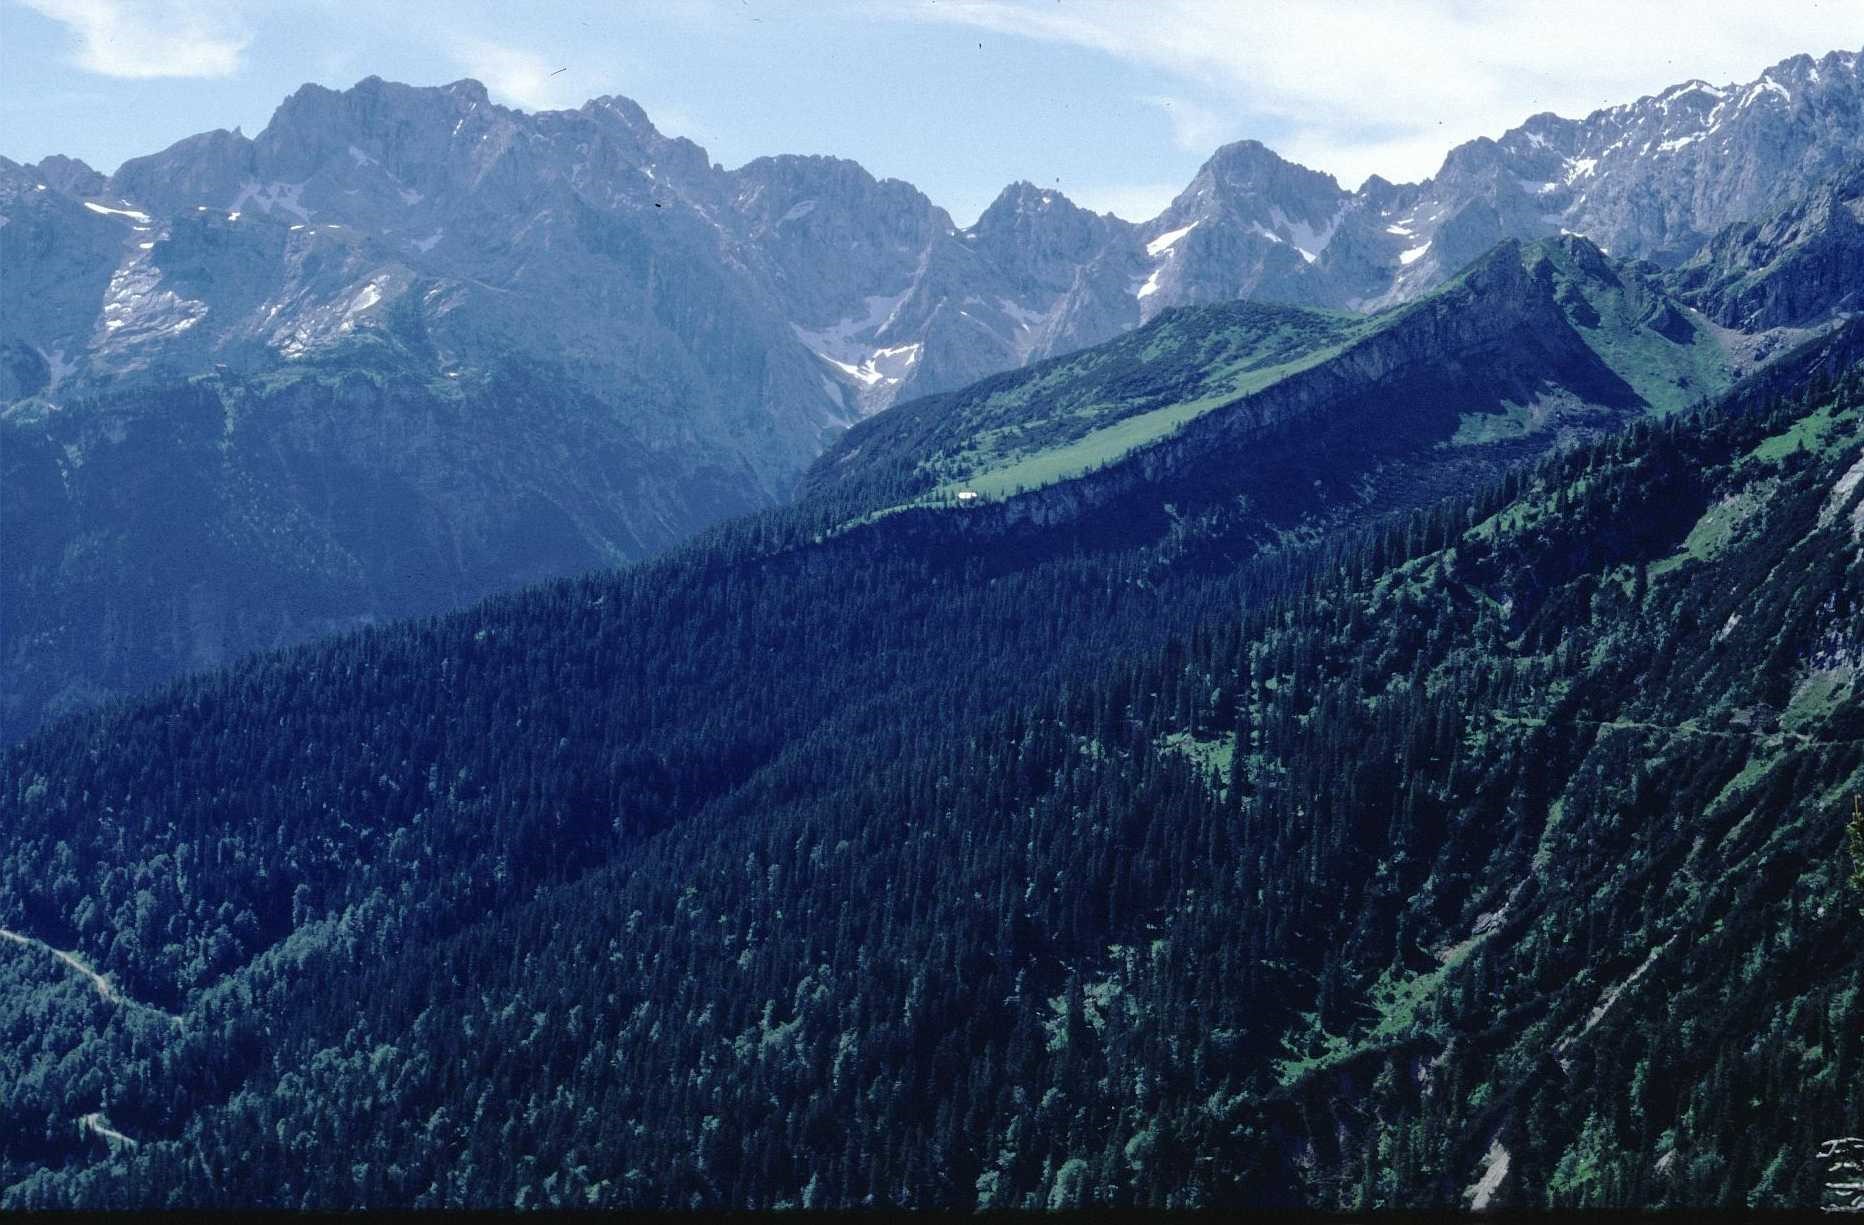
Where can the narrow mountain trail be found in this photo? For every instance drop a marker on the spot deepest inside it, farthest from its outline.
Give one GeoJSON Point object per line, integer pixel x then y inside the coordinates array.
{"type": "Point", "coordinates": [94, 1123]}
{"type": "Point", "coordinates": [101, 982]}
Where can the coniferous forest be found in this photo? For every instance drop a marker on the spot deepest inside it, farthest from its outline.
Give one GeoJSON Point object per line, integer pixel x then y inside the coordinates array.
{"type": "Point", "coordinates": [1494, 853]}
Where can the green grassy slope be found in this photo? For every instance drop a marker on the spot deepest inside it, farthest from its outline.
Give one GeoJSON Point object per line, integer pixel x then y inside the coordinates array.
{"type": "Point", "coordinates": [1524, 353]}
{"type": "Point", "coordinates": [1664, 350]}
{"type": "Point", "coordinates": [1066, 416]}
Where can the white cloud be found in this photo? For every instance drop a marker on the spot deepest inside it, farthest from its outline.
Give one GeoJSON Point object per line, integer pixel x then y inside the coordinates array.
{"type": "Point", "coordinates": [177, 38]}
{"type": "Point", "coordinates": [515, 76]}
{"type": "Point", "coordinates": [1194, 128]}
{"type": "Point", "coordinates": [1361, 86]}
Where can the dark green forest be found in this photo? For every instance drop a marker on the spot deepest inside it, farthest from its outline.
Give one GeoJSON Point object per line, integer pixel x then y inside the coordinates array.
{"type": "Point", "coordinates": [1493, 854]}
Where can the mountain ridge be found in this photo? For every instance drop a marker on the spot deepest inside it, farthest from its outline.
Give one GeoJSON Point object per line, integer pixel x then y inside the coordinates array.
{"type": "Point", "coordinates": [1524, 329]}
{"type": "Point", "coordinates": [685, 339]}
{"type": "Point", "coordinates": [1798, 105]}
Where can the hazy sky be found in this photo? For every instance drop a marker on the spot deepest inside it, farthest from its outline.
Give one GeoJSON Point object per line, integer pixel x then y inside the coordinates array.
{"type": "Point", "coordinates": [1115, 103]}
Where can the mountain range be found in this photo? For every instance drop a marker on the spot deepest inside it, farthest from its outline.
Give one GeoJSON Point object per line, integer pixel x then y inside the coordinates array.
{"type": "Point", "coordinates": [1363, 709]}
{"type": "Point", "coordinates": [406, 347]}
{"type": "Point", "coordinates": [351, 199]}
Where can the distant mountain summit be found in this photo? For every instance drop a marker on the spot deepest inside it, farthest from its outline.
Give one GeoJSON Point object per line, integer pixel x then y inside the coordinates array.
{"type": "Point", "coordinates": [863, 283]}
{"type": "Point", "coordinates": [451, 347]}
{"type": "Point", "coordinates": [1653, 179]}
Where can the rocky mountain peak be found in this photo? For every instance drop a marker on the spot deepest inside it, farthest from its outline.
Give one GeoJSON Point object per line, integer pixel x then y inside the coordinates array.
{"type": "Point", "coordinates": [206, 167]}
{"type": "Point", "coordinates": [800, 206]}
{"type": "Point", "coordinates": [1472, 159]}
{"type": "Point", "coordinates": [1250, 189]}
{"type": "Point", "coordinates": [1246, 160]}
{"type": "Point", "coordinates": [412, 131]}
{"type": "Point", "coordinates": [624, 111]}
{"type": "Point", "coordinates": [1025, 212]}
{"type": "Point", "coordinates": [71, 176]}
{"type": "Point", "coordinates": [1249, 225]}
{"type": "Point", "coordinates": [1023, 199]}
{"type": "Point", "coordinates": [1041, 238]}
{"type": "Point", "coordinates": [1247, 171]}
{"type": "Point", "coordinates": [1378, 192]}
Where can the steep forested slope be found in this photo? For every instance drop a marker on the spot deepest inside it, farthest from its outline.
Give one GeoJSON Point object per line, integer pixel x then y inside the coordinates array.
{"type": "Point", "coordinates": [145, 533]}
{"type": "Point", "coordinates": [1496, 855]}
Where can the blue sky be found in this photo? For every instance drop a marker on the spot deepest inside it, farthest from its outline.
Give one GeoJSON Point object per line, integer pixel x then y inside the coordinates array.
{"type": "Point", "coordinates": [1115, 103]}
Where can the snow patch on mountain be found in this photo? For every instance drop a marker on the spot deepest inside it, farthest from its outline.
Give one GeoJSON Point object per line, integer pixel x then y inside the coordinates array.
{"type": "Point", "coordinates": [1310, 242]}
{"type": "Point", "coordinates": [866, 375]}
{"type": "Point", "coordinates": [843, 341]}
{"type": "Point", "coordinates": [888, 365]}
{"type": "Point", "coordinates": [106, 211]}
{"type": "Point", "coordinates": [367, 297]}
{"type": "Point", "coordinates": [1761, 88]}
{"type": "Point", "coordinates": [1164, 242]}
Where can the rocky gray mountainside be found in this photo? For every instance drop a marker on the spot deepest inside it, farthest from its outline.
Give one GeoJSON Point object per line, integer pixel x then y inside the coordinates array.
{"type": "Point", "coordinates": [1792, 269]}
{"type": "Point", "coordinates": [1653, 179]}
{"type": "Point", "coordinates": [406, 347]}
{"type": "Point", "coordinates": [856, 292]}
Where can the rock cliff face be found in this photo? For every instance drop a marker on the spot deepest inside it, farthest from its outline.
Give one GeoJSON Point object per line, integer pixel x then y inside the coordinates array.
{"type": "Point", "coordinates": [1794, 268]}
{"type": "Point", "coordinates": [1653, 179]}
